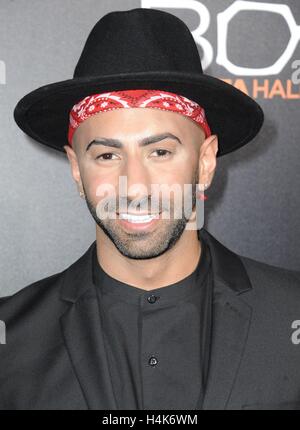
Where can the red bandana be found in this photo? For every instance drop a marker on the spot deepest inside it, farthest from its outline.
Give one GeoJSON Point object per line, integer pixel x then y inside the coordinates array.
{"type": "Point", "coordinates": [157, 99]}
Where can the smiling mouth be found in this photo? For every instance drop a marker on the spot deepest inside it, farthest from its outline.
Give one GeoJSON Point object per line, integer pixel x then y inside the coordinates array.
{"type": "Point", "coordinates": [138, 218]}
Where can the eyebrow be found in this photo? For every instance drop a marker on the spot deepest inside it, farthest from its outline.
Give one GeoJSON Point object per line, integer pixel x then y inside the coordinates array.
{"type": "Point", "coordinates": [116, 143]}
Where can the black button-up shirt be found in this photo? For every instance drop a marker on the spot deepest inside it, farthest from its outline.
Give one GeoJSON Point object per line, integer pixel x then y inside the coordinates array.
{"type": "Point", "coordinates": [157, 342]}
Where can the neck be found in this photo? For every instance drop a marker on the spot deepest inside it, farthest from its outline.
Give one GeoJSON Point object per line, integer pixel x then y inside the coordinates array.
{"type": "Point", "coordinates": [172, 266]}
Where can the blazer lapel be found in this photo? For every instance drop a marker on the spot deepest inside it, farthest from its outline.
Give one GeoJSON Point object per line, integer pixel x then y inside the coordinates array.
{"type": "Point", "coordinates": [83, 336]}
{"type": "Point", "coordinates": [231, 322]}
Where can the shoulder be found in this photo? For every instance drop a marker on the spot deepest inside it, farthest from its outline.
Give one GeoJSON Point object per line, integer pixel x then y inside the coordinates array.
{"type": "Point", "coordinates": [31, 318]}
{"type": "Point", "coordinates": [37, 295]}
{"type": "Point", "coordinates": [42, 299]}
{"type": "Point", "coordinates": [272, 283]}
{"type": "Point", "coordinates": [259, 270]}
{"type": "Point", "coordinates": [41, 302]}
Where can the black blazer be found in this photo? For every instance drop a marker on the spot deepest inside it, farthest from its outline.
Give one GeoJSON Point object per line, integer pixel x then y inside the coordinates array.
{"type": "Point", "coordinates": [54, 354]}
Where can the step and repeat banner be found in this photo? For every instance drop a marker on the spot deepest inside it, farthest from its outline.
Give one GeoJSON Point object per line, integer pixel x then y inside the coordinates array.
{"type": "Point", "coordinates": [253, 204]}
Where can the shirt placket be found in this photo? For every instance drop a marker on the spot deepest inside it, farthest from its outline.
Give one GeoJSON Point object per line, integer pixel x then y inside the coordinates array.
{"type": "Point", "coordinates": [150, 344]}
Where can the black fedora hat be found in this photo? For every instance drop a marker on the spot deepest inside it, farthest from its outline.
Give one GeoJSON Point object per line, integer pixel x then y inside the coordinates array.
{"type": "Point", "coordinates": [140, 49]}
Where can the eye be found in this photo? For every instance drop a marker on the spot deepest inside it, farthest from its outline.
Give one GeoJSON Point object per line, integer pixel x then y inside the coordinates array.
{"type": "Point", "coordinates": [163, 153]}
{"type": "Point", "coordinates": [106, 156]}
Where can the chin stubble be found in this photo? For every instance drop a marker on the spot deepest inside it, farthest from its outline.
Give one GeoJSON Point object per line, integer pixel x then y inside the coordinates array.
{"type": "Point", "coordinates": [126, 247]}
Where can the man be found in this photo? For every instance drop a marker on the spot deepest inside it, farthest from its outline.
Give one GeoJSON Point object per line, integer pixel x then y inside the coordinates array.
{"type": "Point", "coordinates": [155, 314]}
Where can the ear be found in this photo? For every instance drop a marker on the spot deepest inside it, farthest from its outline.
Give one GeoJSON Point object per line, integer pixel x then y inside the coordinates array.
{"type": "Point", "coordinates": [74, 165]}
{"type": "Point", "coordinates": [208, 160]}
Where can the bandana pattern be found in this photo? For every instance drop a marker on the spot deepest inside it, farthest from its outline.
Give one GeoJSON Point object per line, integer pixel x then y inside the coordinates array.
{"type": "Point", "coordinates": [156, 99]}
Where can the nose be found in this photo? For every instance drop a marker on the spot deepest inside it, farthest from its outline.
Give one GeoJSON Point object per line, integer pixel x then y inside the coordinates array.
{"type": "Point", "coordinates": [138, 182]}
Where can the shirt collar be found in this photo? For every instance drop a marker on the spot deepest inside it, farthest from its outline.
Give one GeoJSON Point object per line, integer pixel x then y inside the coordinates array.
{"type": "Point", "coordinates": [167, 295]}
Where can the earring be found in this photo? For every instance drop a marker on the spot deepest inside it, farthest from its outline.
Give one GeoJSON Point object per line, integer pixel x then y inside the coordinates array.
{"type": "Point", "coordinates": [81, 193]}
{"type": "Point", "coordinates": [201, 195]}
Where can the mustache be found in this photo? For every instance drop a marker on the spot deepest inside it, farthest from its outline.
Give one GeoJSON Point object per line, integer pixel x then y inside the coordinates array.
{"type": "Point", "coordinates": [143, 204]}
{"type": "Point", "coordinates": [139, 204]}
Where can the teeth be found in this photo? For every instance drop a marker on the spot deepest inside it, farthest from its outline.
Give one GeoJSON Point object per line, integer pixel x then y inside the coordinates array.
{"type": "Point", "coordinates": [137, 218]}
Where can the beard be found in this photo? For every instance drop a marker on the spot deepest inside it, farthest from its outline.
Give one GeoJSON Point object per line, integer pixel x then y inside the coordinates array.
{"type": "Point", "coordinates": [145, 245]}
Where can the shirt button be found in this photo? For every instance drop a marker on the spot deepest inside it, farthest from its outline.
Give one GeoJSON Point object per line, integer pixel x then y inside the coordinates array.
{"type": "Point", "coordinates": [153, 361]}
{"type": "Point", "coordinates": [152, 298]}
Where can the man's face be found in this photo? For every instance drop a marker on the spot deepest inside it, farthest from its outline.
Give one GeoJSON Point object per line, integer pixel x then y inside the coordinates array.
{"type": "Point", "coordinates": [169, 161]}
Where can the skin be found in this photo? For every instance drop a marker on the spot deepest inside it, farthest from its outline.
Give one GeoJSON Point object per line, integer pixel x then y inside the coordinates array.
{"type": "Point", "coordinates": [168, 252]}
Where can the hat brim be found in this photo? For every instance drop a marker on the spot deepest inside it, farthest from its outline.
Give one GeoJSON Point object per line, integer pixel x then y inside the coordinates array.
{"type": "Point", "coordinates": [232, 115]}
